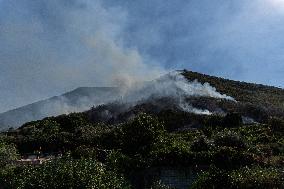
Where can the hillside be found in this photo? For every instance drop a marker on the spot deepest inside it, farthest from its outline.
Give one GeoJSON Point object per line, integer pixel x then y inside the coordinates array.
{"type": "Point", "coordinates": [257, 94]}
{"type": "Point", "coordinates": [254, 99]}
{"type": "Point", "coordinates": [77, 100]}
{"type": "Point", "coordinates": [173, 132]}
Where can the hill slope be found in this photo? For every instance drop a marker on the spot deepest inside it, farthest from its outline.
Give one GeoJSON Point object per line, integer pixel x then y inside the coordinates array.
{"type": "Point", "coordinates": [253, 100]}
{"type": "Point", "coordinates": [244, 92]}
{"type": "Point", "coordinates": [77, 100]}
{"type": "Point", "coordinates": [174, 130]}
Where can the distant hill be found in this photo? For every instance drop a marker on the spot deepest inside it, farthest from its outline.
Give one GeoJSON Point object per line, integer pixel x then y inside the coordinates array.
{"type": "Point", "coordinates": [255, 101]}
{"type": "Point", "coordinates": [80, 99]}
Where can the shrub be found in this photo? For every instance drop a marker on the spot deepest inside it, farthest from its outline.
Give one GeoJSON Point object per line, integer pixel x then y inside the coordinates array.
{"type": "Point", "coordinates": [8, 153]}
{"type": "Point", "coordinates": [229, 138]}
{"type": "Point", "coordinates": [118, 161]}
{"type": "Point", "coordinates": [72, 121]}
{"type": "Point", "coordinates": [84, 152]}
{"type": "Point", "coordinates": [213, 178]}
{"type": "Point", "coordinates": [43, 134]}
{"type": "Point", "coordinates": [170, 150]}
{"type": "Point", "coordinates": [277, 148]}
{"type": "Point", "coordinates": [230, 158]}
{"type": "Point", "coordinates": [257, 177]}
{"type": "Point", "coordinates": [277, 125]}
{"type": "Point", "coordinates": [213, 121]}
{"type": "Point", "coordinates": [66, 173]}
{"type": "Point", "coordinates": [201, 144]}
{"type": "Point", "coordinates": [140, 133]}
{"type": "Point", "coordinates": [232, 120]}
{"type": "Point", "coordinates": [257, 134]}
{"type": "Point", "coordinates": [111, 139]}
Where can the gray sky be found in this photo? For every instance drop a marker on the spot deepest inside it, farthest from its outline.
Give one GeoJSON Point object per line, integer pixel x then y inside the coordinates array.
{"type": "Point", "coordinates": [50, 47]}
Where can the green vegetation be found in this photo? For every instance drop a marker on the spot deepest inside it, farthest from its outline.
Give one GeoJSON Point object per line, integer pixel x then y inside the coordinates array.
{"type": "Point", "coordinates": [8, 153]}
{"type": "Point", "coordinates": [63, 173]}
{"type": "Point", "coordinates": [107, 156]}
{"type": "Point", "coordinates": [254, 94]}
{"type": "Point", "coordinates": [98, 153]}
{"type": "Point", "coordinates": [246, 177]}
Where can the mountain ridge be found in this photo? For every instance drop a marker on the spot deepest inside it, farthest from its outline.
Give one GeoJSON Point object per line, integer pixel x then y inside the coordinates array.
{"type": "Point", "coordinates": [233, 88]}
{"type": "Point", "coordinates": [252, 98]}
{"type": "Point", "coordinates": [71, 99]}
{"type": "Point", "coordinates": [174, 121]}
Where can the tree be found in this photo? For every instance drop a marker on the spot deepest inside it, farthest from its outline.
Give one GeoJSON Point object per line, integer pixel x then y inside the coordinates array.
{"type": "Point", "coordinates": [8, 153]}
{"type": "Point", "coordinates": [141, 132]}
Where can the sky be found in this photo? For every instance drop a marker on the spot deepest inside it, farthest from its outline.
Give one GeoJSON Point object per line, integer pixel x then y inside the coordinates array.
{"type": "Point", "coordinates": [53, 46]}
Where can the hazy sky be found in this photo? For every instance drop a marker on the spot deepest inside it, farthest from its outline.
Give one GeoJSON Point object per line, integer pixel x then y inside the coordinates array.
{"type": "Point", "coordinates": [52, 46]}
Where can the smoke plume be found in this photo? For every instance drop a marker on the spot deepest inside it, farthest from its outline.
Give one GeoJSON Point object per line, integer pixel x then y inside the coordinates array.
{"type": "Point", "coordinates": [175, 86]}
{"type": "Point", "coordinates": [50, 47]}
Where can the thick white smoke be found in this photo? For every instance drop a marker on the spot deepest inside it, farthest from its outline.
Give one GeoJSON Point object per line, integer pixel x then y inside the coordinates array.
{"type": "Point", "coordinates": [175, 86]}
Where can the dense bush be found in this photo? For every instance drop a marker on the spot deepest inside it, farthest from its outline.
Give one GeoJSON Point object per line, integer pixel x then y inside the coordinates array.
{"type": "Point", "coordinates": [201, 144]}
{"type": "Point", "coordinates": [255, 177]}
{"type": "Point", "coordinates": [211, 179]}
{"type": "Point", "coordinates": [257, 134]}
{"type": "Point", "coordinates": [140, 133]}
{"type": "Point", "coordinates": [176, 119]}
{"type": "Point", "coordinates": [170, 150]}
{"type": "Point", "coordinates": [8, 153]}
{"type": "Point", "coordinates": [232, 120]}
{"type": "Point", "coordinates": [72, 121]}
{"type": "Point", "coordinates": [141, 143]}
{"type": "Point", "coordinates": [213, 121]}
{"type": "Point", "coordinates": [84, 152]}
{"type": "Point", "coordinates": [229, 138]}
{"type": "Point", "coordinates": [111, 138]}
{"type": "Point", "coordinates": [37, 135]}
{"type": "Point", "coordinates": [230, 158]}
{"type": "Point", "coordinates": [277, 125]}
{"type": "Point", "coordinates": [64, 173]}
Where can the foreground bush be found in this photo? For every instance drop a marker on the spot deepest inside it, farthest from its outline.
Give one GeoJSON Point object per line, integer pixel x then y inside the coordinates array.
{"type": "Point", "coordinates": [8, 153]}
{"type": "Point", "coordinates": [140, 133]}
{"type": "Point", "coordinates": [255, 177]}
{"type": "Point", "coordinates": [63, 173]}
{"type": "Point", "coordinates": [230, 139]}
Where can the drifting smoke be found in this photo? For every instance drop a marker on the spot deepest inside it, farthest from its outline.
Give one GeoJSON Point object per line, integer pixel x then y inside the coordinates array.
{"type": "Point", "coordinates": [175, 86]}
{"type": "Point", "coordinates": [50, 47]}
